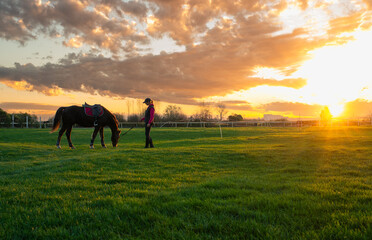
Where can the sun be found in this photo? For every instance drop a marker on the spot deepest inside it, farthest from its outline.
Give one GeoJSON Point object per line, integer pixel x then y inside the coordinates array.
{"type": "Point", "coordinates": [336, 109]}
{"type": "Point", "coordinates": [337, 74]}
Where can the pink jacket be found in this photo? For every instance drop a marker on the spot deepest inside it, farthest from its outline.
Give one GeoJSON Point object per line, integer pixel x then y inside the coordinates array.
{"type": "Point", "coordinates": [152, 113]}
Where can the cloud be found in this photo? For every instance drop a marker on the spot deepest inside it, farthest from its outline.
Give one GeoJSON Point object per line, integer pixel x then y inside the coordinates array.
{"type": "Point", "coordinates": [348, 23]}
{"type": "Point", "coordinates": [293, 108]}
{"type": "Point", "coordinates": [358, 108]}
{"type": "Point", "coordinates": [225, 41]}
{"type": "Point", "coordinates": [72, 19]}
{"type": "Point", "coordinates": [27, 105]}
{"type": "Point", "coordinates": [368, 3]}
{"type": "Point", "coordinates": [233, 105]}
{"type": "Point", "coordinates": [165, 77]}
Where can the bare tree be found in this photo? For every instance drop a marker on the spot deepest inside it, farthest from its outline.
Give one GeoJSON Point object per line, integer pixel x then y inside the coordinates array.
{"type": "Point", "coordinates": [174, 113]}
{"type": "Point", "coordinates": [204, 113]}
{"type": "Point", "coordinates": [127, 107]}
{"type": "Point", "coordinates": [141, 107]}
{"type": "Point", "coordinates": [119, 117]}
{"type": "Point", "coordinates": [221, 109]}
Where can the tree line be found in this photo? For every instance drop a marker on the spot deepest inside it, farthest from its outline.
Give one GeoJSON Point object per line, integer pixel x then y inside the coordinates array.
{"type": "Point", "coordinates": [172, 113]}
{"type": "Point", "coordinates": [20, 119]}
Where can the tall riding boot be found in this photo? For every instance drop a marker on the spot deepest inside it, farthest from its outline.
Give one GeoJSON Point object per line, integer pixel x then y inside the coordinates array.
{"type": "Point", "coordinates": [147, 143]}
{"type": "Point", "coordinates": [151, 144]}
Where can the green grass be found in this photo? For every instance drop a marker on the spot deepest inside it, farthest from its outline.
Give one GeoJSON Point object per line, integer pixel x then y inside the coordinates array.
{"type": "Point", "coordinates": [255, 183]}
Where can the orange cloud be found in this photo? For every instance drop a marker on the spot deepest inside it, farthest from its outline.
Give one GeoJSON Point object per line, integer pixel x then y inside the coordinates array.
{"type": "Point", "coordinates": [75, 42]}
{"type": "Point", "coordinates": [294, 109]}
{"type": "Point", "coordinates": [368, 3]}
{"type": "Point", "coordinates": [225, 41]}
{"type": "Point", "coordinates": [18, 85]}
{"type": "Point", "coordinates": [27, 105]}
{"type": "Point", "coordinates": [358, 108]}
{"type": "Point", "coordinates": [346, 24]}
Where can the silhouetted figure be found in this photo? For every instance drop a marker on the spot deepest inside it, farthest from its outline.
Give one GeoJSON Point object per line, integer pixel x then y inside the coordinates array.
{"type": "Point", "coordinates": [149, 121]}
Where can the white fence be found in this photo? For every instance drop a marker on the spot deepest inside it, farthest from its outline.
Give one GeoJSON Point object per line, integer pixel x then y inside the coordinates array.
{"type": "Point", "coordinates": [299, 123]}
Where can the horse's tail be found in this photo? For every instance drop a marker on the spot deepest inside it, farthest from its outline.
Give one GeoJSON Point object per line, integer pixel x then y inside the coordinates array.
{"type": "Point", "coordinates": [57, 119]}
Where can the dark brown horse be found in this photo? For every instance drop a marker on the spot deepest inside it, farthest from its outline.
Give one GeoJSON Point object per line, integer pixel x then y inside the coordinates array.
{"type": "Point", "coordinates": [76, 115]}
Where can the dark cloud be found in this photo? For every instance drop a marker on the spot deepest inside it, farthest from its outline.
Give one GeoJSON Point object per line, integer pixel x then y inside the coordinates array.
{"type": "Point", "coordinates": [225, 41]}
{"type": "Point", "coordinates": [27, 105]}
{"type": "Point", "coordinates": [358, 108]}
{"type": "Point", "coordinates": [293, 108]}
{"type": "Point", "coordinates": [24, 20]}
{"type": "Point", "coordinates": [167, 77]}
{"type": "Point", "coordinates": [240, 107]}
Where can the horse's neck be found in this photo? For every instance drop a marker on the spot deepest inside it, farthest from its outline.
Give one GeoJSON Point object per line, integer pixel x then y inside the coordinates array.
{"type": "Point", "coordinates": [114, 129]}
{"type": "Point", "coordinates": [113, 126]}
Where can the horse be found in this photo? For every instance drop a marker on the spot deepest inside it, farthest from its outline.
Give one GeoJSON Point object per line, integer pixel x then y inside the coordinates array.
{"type": "Point", "coordinates": [76, 115]}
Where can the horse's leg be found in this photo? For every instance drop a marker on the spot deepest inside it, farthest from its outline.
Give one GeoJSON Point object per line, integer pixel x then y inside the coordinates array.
{"type": "Point", "coordinates": [94, 136]}
{"type": "Point", "coordinates": [68, 135]}
{"type": "Point", "coordinates": [61, 132]}
{"type": "Point", "coordinates": [102, 137]}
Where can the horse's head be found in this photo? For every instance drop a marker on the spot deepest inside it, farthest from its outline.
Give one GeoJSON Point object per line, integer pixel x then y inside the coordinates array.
{"type": "Point", "coordinates": [115, 138]}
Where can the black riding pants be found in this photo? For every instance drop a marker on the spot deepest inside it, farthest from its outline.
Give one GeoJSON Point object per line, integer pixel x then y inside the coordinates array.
{"type": "Point", "coordinates": [148, 138]}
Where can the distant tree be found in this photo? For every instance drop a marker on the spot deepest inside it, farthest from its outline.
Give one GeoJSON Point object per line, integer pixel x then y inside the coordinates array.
{"type": "Point", "coordinates": [325, 116]}
{"type": "Point", "coordinates": [134, 118]}
{"type": "Point", "coordinates": [20, 119]}
{"type": "Point", "coordinates": [134, 107]}
{"type": "Point", "coordinates": [141, 107]}
{"type": "Point", "coordinates": [235, 117]}
{"type": "Point", "coordinates": [204, 113]}
{"type": "Point", "coordinates": [158, 117]}
{"type": "Point", "coordinates": [281, 120]}
{"type": "Point", "coordinates": [173, 113]}
{"type": "Point", "coordinates": [119, 117]}
{"type": "Point", "coordinates": [221, 109]}
{"type": "Point", "coordinates": [5, 118]}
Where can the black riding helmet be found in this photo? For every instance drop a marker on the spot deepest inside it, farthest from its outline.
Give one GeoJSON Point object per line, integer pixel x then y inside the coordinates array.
{"type": "Point", "coordinates": [147, 100]}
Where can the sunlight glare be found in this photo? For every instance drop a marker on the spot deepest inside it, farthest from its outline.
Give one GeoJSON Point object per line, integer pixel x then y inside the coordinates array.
{"type": "Point", "coordinates": [268, 73]}
{"type": "Point", "coordinates": [336, 109]}
{"type": "Point", "coordinates": [338, 74]}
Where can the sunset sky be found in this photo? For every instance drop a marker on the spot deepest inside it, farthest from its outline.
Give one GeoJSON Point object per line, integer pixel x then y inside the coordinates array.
{"type": "Point", "coordinates": [285, 57]}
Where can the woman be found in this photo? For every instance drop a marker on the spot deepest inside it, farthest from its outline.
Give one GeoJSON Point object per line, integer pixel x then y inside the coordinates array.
{"type": "Point", "coordinates": [149, 121]}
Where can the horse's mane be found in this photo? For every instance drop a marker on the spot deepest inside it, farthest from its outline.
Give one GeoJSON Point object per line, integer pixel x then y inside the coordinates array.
{"type": "Point", "coordinates": [113, 117]}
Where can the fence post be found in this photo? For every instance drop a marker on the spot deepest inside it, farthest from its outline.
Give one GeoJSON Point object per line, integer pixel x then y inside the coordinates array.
{"type": "Point", "coordinates": [12, 120]}
{"type": "Point", "coordinates": [220, 130]}
{"type": "Point", "coordinates": [40, 122]}
{"type": "Point", "coordinates": [26, 121]}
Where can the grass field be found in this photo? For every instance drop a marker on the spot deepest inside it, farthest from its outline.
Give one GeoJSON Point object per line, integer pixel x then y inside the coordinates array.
{"type": "Point", "coordinates": [255, 183]}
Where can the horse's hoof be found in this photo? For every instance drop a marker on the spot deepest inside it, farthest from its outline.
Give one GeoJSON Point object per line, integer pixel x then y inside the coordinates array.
{"type": "Point", "coordinates": [58, 146]}
{"type": "Point", "coordinates": [91, 147]}
{"type": "Point", "coordinates": [72, 147]}
{"type": "Point", "coordinates": [104, 146]}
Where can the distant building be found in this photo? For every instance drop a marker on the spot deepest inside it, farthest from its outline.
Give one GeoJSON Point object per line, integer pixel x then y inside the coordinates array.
{"type": "Point", "coordinates": [271, 117]}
